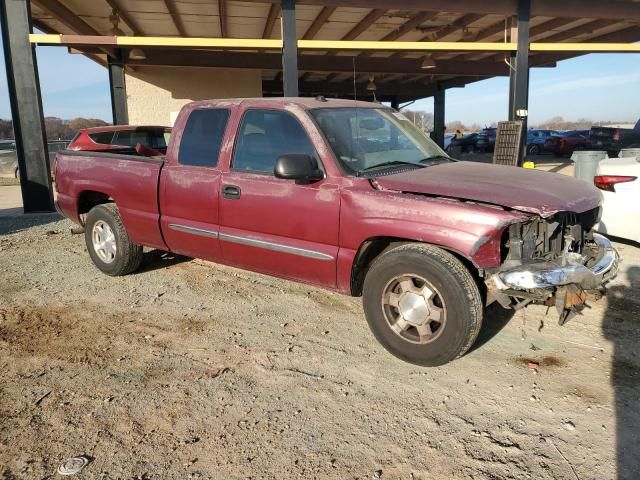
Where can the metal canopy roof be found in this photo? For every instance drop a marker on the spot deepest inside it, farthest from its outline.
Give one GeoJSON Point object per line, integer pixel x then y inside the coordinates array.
{"type": "Point", "coordinates": [330, 71]}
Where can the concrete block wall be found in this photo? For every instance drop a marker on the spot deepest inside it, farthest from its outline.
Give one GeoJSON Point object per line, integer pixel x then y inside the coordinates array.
{"type": "Point", "coordinates": [156, 94]}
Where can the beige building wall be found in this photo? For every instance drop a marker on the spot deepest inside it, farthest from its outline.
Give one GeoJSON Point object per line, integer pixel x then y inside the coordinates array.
{"type": "Point", "coordinates": [156, 94]}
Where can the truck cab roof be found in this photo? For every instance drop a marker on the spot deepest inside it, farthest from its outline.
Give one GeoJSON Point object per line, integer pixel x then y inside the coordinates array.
{"type": "Point", "coordinates": [304, 102]}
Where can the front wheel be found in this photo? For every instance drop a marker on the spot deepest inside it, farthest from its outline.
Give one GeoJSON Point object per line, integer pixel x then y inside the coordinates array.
{"type": "Point", "coordinates": [108, 243]}
{"type": "Point", "coordinates": [422, 304]}
{"type": "Point", "coordinates": [534, 150]}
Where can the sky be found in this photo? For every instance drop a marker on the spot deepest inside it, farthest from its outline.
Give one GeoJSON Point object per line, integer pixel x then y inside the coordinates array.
{"type": "Point", "coordinates": [596, 86]}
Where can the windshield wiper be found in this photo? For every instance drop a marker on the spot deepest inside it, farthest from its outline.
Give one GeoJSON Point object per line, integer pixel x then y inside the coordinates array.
{"type": "Point", "coordinates": [388, 164]}
{"type": "Point", "coordinates": [437, 157]}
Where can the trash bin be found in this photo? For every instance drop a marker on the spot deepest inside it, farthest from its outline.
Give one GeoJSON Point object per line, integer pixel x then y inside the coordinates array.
{"type": "Point", "coordinates": [586, 164]}
{"type": "Point", "coordinates": [630, 152]}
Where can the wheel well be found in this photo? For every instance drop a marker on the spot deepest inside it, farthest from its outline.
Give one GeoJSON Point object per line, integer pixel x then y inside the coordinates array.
{"type": "Point", "coordinates": [374, 247]}
{"type": "Point", "coordinates": [89, 199]}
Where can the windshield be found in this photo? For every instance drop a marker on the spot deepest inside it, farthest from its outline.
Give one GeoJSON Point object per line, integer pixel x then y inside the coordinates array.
{"type": "Point", "coordinates": [370, 138]}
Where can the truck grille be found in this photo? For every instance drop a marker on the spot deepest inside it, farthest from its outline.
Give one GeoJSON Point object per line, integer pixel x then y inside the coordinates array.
{"type": "Point", "coordinates": [548, 239]}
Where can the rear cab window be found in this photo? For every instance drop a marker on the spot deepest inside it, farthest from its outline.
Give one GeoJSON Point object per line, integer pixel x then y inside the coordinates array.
{"type": "Point", "coordinates": [202, 137]}
{"type": "Point", "coordinates": [153, 138]}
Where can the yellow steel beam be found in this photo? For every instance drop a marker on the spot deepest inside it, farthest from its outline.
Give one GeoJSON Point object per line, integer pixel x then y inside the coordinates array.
{"type": "Point", "coordinates": [261, 43]}
{"type": "Point", "coordinates": [584, 47]}
{"type": "Point", "coordinates": [45, 38]}
{"type": "Point", "coordinates": [405, 46]}
{"type": "Point", "coordinates": [198, 42]}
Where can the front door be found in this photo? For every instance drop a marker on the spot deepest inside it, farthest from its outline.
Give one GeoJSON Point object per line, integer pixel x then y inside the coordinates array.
{"type": "Point", "coordinates": [271, 225]}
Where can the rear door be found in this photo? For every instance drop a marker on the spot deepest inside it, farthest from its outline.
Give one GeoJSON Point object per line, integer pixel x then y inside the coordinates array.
{"type": "Point", "coordinates": [190, 185]}
{"type": "Point", "coordinates": [275, 226]}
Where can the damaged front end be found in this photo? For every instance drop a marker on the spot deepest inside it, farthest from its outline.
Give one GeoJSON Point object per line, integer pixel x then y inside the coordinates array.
{"type": "Point", "coordinates": [557, 261]}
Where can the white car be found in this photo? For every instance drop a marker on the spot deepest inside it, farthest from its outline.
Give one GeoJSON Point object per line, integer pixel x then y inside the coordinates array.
{"type": "Point", "coordinates": [619, 181]}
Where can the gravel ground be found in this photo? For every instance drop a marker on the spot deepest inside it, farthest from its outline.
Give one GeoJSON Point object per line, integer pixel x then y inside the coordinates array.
{"type": "Point", "coordinates": [192, 370]}
{"type": "Point", "coordinates": [7, 180]}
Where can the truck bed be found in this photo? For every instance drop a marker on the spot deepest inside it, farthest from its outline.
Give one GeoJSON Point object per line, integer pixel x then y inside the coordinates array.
{"type": "Point", "coordinates": [129, 179]}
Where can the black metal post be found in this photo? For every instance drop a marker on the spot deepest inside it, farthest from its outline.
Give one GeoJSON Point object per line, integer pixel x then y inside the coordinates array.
{"type": "Point", "coordinates": [26, 106]}
{"type": "Point", "coordinates": [395, 104]}
{"type": "Point", "coordinates": [519, 78]}
{"type": "Point", "coordinates": [289, 49]}
{"type": "Point", "coordinates": [118, 89]}
{"type": "Point", "coordinates": [438, 117]}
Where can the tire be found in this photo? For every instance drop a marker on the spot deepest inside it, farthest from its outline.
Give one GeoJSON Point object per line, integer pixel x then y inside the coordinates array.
{"type": "Point", "coordinates": [451, 295]}
{"type": "Point", "coordinates": [534, 150]}
{"type": "Point", "coordinates": [119, 256]}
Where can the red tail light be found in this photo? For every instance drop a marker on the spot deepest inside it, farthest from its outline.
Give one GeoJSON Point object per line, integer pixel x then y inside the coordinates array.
{"type": "Point", "coordinates": [608, 182]}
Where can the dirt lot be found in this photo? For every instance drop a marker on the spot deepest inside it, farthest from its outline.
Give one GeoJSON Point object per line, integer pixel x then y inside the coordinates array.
{"type": "Point", "coordinates": [191, 370]}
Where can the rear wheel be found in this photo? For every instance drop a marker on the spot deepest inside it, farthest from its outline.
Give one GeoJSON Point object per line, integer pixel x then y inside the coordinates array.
{"type": "Point", "coordinates": [108, 243]}
{"type": "Point", "coordinates": [422, 304]}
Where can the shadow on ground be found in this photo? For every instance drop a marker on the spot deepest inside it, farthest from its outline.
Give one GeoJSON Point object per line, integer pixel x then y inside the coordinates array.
{"type": "Point", "coordinates": [495, 319]}
{"type": "Point", "coordinates": [621, 325]}
{"type": "Point", "coordinates": [157, 259]}
{"type": "Point", "coordinates": [10, 223]}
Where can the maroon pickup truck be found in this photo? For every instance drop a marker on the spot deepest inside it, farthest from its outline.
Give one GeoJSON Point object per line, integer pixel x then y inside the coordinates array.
{"type": "Point", "coordinates": [348, 196]}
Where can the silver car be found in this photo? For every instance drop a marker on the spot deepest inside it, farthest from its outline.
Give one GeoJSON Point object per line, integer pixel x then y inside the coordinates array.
{"type": "Point", "coordinates": [9, 158]}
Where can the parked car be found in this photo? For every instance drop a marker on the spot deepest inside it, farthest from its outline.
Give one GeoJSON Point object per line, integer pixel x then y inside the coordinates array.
{"type": "Point", "coordinates": [536, 140]}
{"type": "Point", "coordinates": [447, 139]}
{"type": "Point", "coordinates": [118, 137]}
{"type": "Point", "coordinates": [486, 140]}
{"type": "Point", "coordinates": [619, 181]}
{"type": "Point", "coordinates": [148, 140]}
{"type": "Point", "coordinates": [613, 140]}
{"type": "Point", "coordinates": [347, 196]}
{"type": "Point", "coordinates": [566, 143]}
{"type": "Point", "coordinates": [465, 144]}
{"type": "Point", "coordinates": [9, 157]}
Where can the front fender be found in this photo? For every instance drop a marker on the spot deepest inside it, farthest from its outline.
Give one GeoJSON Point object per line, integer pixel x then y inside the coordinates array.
{"type": "Point", "coordinates": [470, 229]}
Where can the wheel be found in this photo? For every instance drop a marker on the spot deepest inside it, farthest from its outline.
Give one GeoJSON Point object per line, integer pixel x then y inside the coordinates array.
{"type": "Point", "coordinates": [422, 304]}
{"type": "Point", "coordinates": [108, 243]}
{"type": "Point", "coordinates": [534, 150]}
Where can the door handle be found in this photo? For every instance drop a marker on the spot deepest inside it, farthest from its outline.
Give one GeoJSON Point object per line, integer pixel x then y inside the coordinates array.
{"type": "Point", "coordinates": [231, 192]}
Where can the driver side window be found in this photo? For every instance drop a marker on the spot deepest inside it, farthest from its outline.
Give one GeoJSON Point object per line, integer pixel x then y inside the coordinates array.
{"type": "Point", "coordinates": [266, 135]}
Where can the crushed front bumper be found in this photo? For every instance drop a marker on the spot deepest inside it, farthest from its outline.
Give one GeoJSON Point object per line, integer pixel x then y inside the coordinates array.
{"type": "Point", "coordinates": [546, 275]}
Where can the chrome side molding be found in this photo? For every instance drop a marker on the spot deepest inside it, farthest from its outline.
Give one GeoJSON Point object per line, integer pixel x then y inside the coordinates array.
{"type": "Point", "coordinates": [278, 247]}
{"type": "Point", "coordinates": [196, 231]}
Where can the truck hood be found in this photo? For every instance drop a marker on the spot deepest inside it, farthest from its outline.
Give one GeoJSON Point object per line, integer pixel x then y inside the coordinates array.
{"type": "Point", "coordinates": [532, 191]}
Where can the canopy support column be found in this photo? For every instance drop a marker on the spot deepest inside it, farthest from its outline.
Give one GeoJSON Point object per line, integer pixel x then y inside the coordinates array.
{"type": "Point", "coordinates": [117, 89]}
{"type": "Point", "coordinates": [519, 75]}
{"type": "Point", "coordinates": [438, 117]}
{"type": "Point", "coordinates": [26, 107]}
{"type": "Point", "coordinates": [289, 49]}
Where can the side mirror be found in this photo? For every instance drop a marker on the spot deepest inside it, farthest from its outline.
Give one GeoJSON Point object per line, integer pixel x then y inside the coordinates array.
{"type": "Point", "coordinates": [297, 167]}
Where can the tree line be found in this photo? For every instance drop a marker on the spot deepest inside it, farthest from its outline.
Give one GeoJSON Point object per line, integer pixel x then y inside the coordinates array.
{"type": "Point", "coordinates": [56, 128]}
{"type": "Point", "coordinates": [424, 121]}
